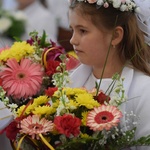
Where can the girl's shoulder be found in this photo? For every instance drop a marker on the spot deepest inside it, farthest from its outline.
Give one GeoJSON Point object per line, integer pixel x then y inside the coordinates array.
{"type": "Point", "coordinates": [140, 77]}
{"type": "Point", "coordinates": [140, 83]}
{"type": "Point", "coordinates": [135, 76]}
{"type": "Point", "coordinates": [135, 81]}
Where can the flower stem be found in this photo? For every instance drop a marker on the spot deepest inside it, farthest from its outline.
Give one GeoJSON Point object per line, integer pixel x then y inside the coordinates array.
{"type": "Point", "coordinates": [106, 59]}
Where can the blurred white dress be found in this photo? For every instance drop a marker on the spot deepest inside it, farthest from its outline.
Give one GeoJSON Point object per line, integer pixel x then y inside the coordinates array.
{"type": "Point", "coordinates": [39, 19]}
{"type": "Point", "coordinates": [60, 8]}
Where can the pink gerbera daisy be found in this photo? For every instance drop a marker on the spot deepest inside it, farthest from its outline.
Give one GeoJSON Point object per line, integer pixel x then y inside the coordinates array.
{"type": "Point", "coordinates": [33, 126]}
{"type": "Point", "coordinates": [103, 117]}
{"type": "Point", "coordinates": [21, 80]}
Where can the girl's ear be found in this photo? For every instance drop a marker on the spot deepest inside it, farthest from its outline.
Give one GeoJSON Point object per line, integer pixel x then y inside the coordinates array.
{"type": "Point", "coordinates": [117, 36]}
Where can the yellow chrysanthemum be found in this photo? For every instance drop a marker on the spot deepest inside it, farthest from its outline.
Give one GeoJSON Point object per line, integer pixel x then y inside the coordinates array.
{"type": "Point", "coordinates": [4, 55]}
{"type": "Point", "coordinates": [74, 91]}
{"type": "Point", "coordinates": [27, 110]}
{"type": "Point", "coordinates": [71, 105]}
{"type": "Point", "coordinates": [55, 104]}
{"type": "Point", "coordinates": [44, 110]}
{"type": "Point", "coordinates": [20, 110]}
{"type": "Point", "coordinates": [84, 118]}
{"type": "Point", "coordinates": [18, 51]}
{"type": "Point", "coordinates": [85, 136]}
{"type": "Point", "coordinates": [41, 100]}
{"type": "Point", "coordinates": [87, 101]}
{"type": "Point", "coordinates": [30, 108]}
{"type": "Point", "coordinates": [70, 91]}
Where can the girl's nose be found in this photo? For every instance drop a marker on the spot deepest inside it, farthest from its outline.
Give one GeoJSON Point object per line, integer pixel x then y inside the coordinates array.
{"type": "Point", "coordinates": [74, 40]}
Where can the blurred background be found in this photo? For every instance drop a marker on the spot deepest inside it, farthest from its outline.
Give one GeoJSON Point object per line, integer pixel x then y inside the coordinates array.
{"type": "Point", "coordinates": [19, 17]}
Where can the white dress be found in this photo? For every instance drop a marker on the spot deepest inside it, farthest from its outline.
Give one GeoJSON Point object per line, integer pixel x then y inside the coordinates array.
{"type": "Point", "coordinates": [137, 89]}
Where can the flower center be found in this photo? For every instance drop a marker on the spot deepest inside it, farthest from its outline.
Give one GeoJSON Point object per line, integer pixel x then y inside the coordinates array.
{"type": "Point", "coordinates": [104, 117]}
{"type": "Point", "coordinates": [36, 127]}
{"type": "Point", "coordinates": [21, 75]}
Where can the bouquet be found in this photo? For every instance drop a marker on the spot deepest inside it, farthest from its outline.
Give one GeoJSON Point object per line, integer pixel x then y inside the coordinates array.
{"type": "Point", "coordinates": [55, 116]}
{"type": "Point", "coordinates": [12, 24]}
{"type": "Point", "coordinates": [26, 68]}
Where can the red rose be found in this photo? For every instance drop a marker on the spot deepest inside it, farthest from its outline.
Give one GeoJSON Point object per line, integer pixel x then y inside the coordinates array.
{"type": "Point", "coordinates": [68, 125]}
{"type": "Point", "coordinates": [12, 130]}
{"type": "Point", "coordinates": [101, 98]}
{"type": "Point", "coordinates": [50, 91]}
{"type": "Point", "coordinates": [51, 67]}
{"type": "Point", "coordinates": [0, 82]}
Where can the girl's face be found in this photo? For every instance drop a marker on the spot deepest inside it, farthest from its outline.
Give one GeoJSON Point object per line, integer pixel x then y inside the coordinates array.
{"type": "Point", "coordinates": [25, 3]}
{"type": "Point", "coordinates": [90, 43]}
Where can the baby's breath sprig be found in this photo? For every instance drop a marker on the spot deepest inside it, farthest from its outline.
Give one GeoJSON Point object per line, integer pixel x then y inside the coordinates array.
{"type": "Point", "coordinates": [5, 100]}
{"type": "Point", "coordinates": [39, 42]}
{"type": "Point", "coordinates": [119, 92]}
{"type": "Point", "coordinates": [61, 79]}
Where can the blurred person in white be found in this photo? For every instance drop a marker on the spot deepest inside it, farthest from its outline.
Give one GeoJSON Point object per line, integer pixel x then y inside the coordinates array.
{"type": "Point", "coordinates": [59, 8]}
{"type": "Point", "coordinates": [38, 18]}
{"type": "Point", "coordinates": [9, 4]}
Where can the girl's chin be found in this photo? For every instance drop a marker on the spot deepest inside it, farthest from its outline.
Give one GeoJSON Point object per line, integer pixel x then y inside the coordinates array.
{"type": "Point", "coordinates": [85, 62]}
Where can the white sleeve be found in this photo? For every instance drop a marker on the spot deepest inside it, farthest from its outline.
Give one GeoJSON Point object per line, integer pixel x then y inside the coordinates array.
{"type": "Point", "coordinates": [6, 116]}
{"type": "Point", "coordinates": [140, 104]}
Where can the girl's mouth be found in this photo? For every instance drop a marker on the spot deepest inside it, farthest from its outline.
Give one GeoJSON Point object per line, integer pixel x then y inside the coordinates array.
{"type": "Point", "coordinates": [78, 51]}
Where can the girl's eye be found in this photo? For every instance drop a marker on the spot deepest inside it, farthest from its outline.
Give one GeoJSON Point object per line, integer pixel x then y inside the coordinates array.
{"type": "Point", "coordinates": [83, 31]}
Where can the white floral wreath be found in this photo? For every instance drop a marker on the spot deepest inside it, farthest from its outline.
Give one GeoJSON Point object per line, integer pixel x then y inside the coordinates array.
{"type": "Point", "coordinates": [122, 5]}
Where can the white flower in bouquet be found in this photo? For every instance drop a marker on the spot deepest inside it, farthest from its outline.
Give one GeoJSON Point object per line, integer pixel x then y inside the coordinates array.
{"type": "Point", "coordinates": [5, 24]}
{"type": "Point", "coordinates": [12, 23]}
{"type": "Point", "coordinates": [19, 15]}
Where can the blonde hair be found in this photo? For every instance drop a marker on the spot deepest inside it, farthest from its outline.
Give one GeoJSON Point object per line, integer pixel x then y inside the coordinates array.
{"type": "Point", "coordinates": [132, 47]}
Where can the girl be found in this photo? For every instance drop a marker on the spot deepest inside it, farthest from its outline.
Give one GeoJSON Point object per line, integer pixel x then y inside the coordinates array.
{"type": "Point", "coordinates": [104, 28]}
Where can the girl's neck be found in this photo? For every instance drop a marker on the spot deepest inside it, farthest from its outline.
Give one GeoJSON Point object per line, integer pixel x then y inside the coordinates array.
{"type": "Point", "coordinates": [109, 71]}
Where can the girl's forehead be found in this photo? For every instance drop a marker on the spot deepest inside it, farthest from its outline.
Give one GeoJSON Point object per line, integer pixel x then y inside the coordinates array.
{"type": "Point", "coordinates": [79, 19]}
{"type": "Point", "coordinates": [77, 13]}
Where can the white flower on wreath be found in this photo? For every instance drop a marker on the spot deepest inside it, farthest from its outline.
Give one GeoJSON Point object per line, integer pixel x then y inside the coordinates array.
{"type": "Point", "coordinates": [128, 1]}
{"type": "Point", "coordinates": [100, 2]}
{"type": "Point", "coordinates": [123, 7]}
{"type": "Point", "coordinates": [116, 3]}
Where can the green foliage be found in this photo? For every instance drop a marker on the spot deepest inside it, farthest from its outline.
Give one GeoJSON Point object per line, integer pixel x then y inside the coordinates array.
{"type": "Point", "coordinates": [16, 30]}
{"type": "Point", "coordinates": [13, 24]}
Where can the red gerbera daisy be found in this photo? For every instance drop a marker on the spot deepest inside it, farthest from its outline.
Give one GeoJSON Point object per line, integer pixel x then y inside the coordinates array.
{"type": "Point", "coordinates": [103, 117]}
